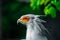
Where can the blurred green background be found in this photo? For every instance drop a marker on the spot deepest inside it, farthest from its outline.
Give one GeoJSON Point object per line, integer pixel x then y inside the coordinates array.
{"type": "Point", "coordinates": [14, 9]}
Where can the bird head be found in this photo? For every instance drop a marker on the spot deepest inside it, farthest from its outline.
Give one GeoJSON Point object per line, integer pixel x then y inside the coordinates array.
{"type": "Point", "coordinates": [26, 19]}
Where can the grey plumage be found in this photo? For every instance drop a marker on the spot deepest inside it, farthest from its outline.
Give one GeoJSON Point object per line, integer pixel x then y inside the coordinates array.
{"type": "Point", "coordinates": [35, 29]}
{"type": "Point", "coordinates": [34, 32]}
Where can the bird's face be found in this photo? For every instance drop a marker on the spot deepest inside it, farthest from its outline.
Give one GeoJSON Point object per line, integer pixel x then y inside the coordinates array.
{"type": "Point", "coordinates": [27, 19]}
{"type": "Point", "coordinates": [24, 19]}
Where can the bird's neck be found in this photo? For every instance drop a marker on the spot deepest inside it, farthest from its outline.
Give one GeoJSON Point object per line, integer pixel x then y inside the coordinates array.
{"type": "Point", "coordinates": [29, 31]}
{"type": "Point", "coordinates": [32, 31]}
{"type": "Point", "coordinates": [30, 27]}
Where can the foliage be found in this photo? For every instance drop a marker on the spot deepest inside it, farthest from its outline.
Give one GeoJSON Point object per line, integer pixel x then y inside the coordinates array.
{"type": "Point", "coordinates": [48, 9]}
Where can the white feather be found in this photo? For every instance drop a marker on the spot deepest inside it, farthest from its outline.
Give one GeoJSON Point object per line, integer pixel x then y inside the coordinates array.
{"type": "Point", "coordinates": [34, 31]}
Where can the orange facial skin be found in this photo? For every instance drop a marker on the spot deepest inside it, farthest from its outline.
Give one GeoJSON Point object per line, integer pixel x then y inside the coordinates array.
{"type": "Point", "coordinates": [25, 19]}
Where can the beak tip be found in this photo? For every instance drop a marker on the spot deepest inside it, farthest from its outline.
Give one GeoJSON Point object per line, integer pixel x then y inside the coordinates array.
{"type": "Point", "coordinates": [18, 21]}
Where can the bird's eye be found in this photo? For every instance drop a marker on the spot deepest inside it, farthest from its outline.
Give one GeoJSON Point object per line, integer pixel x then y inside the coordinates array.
{"type": "Point", "coordinates": [25, 18]}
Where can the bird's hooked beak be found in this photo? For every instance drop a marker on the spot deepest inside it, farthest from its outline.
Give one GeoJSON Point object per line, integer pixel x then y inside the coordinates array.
{"type": "Point", "coordinates": [18, 21]}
